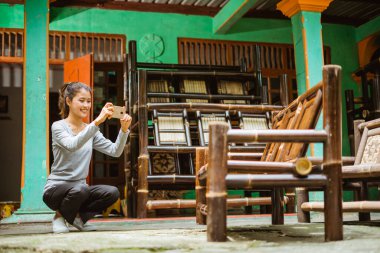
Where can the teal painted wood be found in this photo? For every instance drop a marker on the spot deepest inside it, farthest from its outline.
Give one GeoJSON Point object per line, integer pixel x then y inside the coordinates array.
{"type": "Point", "coordinates": [35, 81]}
{"type": "Point", "coordinates": [368, 29]}
{"type": "Point", "coordinates": [230, 14]}
{"type": "Point", "coordinates": [310, 22]}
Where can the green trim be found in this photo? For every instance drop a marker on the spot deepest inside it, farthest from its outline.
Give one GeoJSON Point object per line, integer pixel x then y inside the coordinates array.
{"type": "Point", "coordinates": [230, 14]}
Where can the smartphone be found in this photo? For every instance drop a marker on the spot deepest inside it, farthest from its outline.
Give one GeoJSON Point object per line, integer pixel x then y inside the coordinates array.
{"type": "Point", "coordinates": [118, 112]}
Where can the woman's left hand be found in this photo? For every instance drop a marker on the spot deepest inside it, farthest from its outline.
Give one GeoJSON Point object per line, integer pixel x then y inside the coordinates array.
{"type": "Point", "coordinates": [125, 122]}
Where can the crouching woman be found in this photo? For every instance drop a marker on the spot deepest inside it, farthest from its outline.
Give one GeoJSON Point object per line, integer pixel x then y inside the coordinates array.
{"type": "Point", "coordinates": [66, 191]}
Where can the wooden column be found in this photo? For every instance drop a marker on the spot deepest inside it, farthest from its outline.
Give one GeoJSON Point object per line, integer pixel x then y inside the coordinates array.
{"type": "Point", "coordinates": [35, 141]}
{"type": "Point", "coordinates": [216, 183]}
{"type": "Point", "coordinates": [332, 152]}
{"type": "Point", "coordinates": [132, 110]}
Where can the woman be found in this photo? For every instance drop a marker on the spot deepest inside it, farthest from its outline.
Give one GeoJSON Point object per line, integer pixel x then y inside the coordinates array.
{"type": "Point", "coordinates": [66, 191]}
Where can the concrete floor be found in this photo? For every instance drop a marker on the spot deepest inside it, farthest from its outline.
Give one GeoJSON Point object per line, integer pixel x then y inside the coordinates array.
{"type": "Point", "coordinates": [245, 234]}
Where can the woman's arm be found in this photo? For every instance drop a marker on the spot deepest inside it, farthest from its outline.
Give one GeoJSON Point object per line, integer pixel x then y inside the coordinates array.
{"type": "Point", "coordinates": [107, 147]}
{"type": "Point", "coordinates": [69, 142]}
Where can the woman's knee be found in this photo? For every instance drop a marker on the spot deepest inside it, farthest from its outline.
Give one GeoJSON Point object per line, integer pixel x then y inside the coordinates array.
{"type": "Point", "coordinates": [80, 190]}
{"type": "Point", "coordinates": [113, 193]}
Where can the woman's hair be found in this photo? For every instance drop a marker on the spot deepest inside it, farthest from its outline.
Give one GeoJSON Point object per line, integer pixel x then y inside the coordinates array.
{"type": "Point", "coordinates": [69, 90]}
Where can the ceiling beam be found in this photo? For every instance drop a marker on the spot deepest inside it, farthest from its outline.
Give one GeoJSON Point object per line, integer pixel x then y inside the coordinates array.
{"type": "Point", "coordinates": [134, 6]}
{"type": "Point", "coordinates": [230, 14]}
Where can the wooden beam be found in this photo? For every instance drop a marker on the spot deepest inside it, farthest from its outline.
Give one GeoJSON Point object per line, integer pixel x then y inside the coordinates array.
{"type": "Point", "coordinates": [230, 14]}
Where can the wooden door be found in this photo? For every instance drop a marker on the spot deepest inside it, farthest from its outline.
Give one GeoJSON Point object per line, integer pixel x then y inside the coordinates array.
{"type": "Point", "coordinates": [80, 70]}
{"type": "Point", "coordinates": [108, 87]}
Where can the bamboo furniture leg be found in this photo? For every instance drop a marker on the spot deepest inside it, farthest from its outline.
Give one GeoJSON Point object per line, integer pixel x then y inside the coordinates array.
{"type": "Point", "coordinates": [216, 184]}
{"type": "Point", "coordinates": [278, 206]}
{"type": "Point", "coordinates": [200, 189]}
{"type": "Point", "coordinates": [332, 152]}
{"type": "Point", "coordinates": [302, 197]}
{"type": "Point", "coordinates": [142, 191]}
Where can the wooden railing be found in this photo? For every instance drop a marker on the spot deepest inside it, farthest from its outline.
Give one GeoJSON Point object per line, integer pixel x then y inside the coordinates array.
{"type": "Point", "coordinates": [65, 46]}
{"type": "Point", "coordinates": [276, 59]}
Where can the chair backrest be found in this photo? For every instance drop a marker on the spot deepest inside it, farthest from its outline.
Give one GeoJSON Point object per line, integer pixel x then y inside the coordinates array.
{"type": "Point", "coordinates": [253, 121]}
{"type": "Point", "coordinates": [231, 88]}
{"type": "Point", "coordinates": [369, 147]}
{"type": "Point", "coordinates": [194, 87]}
{"type": "Point", "coordinates": [159, 86]}
{"type": "Point", "coordinates": [204, 120]}
{"type": "Point", "coordinates": [302, 113]}
{"type": "Point", "coordinates": [171, 128]}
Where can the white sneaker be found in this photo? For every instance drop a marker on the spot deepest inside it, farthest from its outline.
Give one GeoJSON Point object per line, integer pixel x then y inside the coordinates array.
{"type": "Point", "coordinates": [59, 226]}
{"type": "Point", "coordinates": [78, 223]}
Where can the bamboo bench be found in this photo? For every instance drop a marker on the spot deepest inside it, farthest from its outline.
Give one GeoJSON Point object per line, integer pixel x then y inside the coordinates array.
{"type": "Point", "coordinates": [282, 164]}
{"type": "Point", "coordinates": [366, 170]}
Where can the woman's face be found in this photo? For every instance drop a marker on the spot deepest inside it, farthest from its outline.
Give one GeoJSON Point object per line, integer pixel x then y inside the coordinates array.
{"type": "Point", "coordinates": [81, 104]}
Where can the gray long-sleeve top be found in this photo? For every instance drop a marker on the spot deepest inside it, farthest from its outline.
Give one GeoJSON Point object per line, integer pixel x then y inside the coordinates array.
{"type": "Point", "coordinates": [72, 153]}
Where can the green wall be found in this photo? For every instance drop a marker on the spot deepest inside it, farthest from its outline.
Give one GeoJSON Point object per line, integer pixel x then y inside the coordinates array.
{"type": "Point", "coordinates": [341, 39]}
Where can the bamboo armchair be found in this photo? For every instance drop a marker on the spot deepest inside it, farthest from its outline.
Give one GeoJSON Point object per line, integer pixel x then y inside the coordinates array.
{"type": "Point", "coordinates": [358, 177]}
{"type": "Point", "coordinates": [282, 164]}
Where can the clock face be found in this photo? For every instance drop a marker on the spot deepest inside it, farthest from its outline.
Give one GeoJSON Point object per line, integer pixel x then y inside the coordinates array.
{"type": "Point", "coordinates": [151, 46]}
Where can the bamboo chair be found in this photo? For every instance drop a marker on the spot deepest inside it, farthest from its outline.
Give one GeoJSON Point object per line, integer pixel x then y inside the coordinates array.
{"type": "Point", "coordinates": [170, 130]}
{"type": "Point", "coordinates": [364, 172]}
{"type": "Point", "coordinates": [282, 162]}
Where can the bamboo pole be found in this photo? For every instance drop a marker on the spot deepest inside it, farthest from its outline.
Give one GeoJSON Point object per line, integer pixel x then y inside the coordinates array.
{"type": "Point", "coordinates": [361, 171]}
{"type": "Point", "coordinates": [202, 96]}
{"type": "Point", "coordinates": [235, 75]}
{"type": "Point", "coordinates": [209, 107]}
{"type": "Point", "coordinates": [363, 194]}
{"type": "Point", "coordinates": [346, 160]}
{"type": "Point", "coordinates": [200, 189]}
{"type": "Point", "coordinates": [216, 186]}
{"type": "Point", "coordinates": [133, 95]}
{"type": "Point", "coordinates": [244, 156]}
{"type": "Point", "coordinates": [355, 206]}
{"type": "Point", "coordinates": [277, 206]}
{"type": "Point", "coordinates": [147, 65]}
{"type": "Point", "coordinates": [302, 197]}
{"type": "Point", "coordinates": [332, 152]}
{"type": "Point", "coordinates": [142, 191]}
{"type": "Point", "coordinates": [304, 135]}
{"type": "Point", "coordinates": [143, 159]}
{"type": "Point", "coordinates": [172, 149]}
{"type": "Point", "coordinates": [357, 135]}
{"type": "Point", "coordinates": [171, 179]}
{"type": "Point", "coordinates": [252, 181]}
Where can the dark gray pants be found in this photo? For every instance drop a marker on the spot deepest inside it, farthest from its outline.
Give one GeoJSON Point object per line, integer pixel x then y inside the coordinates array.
{"type": "Point", "coordinates": [73, 198]}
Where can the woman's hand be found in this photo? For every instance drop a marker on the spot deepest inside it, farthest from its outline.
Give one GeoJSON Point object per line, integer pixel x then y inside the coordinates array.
{"type": "Point", "coordinates": [106, 112]}
{"type": "Point", "coordinates": [125, 122]}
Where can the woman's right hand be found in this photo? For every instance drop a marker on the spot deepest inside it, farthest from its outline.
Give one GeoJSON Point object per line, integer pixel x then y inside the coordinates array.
{"type": "Point", "coordinates": [106, 112]}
